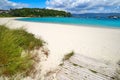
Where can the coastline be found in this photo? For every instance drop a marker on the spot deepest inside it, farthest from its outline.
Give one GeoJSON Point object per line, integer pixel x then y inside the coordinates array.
{"type": "Point", "coordinates": [71, 24]}
{"type": "Point", "coordinates": [94, 42]}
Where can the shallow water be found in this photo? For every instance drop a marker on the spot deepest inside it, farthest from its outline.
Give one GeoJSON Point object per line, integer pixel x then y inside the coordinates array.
{"type": "Point", "coordinates": [102, 22]}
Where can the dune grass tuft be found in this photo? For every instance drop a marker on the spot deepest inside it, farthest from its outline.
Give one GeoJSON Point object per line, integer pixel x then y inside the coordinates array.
{"type": "Point", "coordinates": [68, 56]}
{"type": "Point", "coordinates": [12, 43]}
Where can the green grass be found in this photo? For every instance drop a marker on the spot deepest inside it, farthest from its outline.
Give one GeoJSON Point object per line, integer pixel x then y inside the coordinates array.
{"type": "Point", "coordinates": [12, 43]}
{"type": "Point", "coordinates": [68, 56]}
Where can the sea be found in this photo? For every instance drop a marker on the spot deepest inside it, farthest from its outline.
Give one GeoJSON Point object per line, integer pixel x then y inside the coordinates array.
{"type": "Point", "coordinates": [109, 20]}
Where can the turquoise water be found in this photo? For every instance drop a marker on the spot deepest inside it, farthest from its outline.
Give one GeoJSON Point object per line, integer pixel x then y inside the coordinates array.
{"type": "Point", "coordinates": [105, 22]}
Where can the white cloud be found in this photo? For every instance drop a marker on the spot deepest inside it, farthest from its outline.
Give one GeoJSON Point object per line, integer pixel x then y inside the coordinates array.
{"type": "Point", "coordinates": [85, 6]}
{"type": "Point", "coordinates": [6, 4]}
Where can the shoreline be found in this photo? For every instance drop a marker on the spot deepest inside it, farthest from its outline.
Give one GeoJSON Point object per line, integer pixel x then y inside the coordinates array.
{"type": "Point", "coordinates": [70, 25]}
{"type": "Point", "coordinates": [75, 25]}
{"type": "Point", "coordinates": [94, 42]}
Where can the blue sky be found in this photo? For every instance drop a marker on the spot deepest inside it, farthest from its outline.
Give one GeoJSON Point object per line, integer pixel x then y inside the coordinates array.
{"type": "Point", "coordinates": [73, 6]}
{"type": "Point", "coordinates": [32, 3]}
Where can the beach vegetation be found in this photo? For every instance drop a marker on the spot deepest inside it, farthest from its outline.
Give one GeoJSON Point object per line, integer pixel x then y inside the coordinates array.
{"type": "Point", "coordinates": [12, 43]}
{"type": "Point", "coordinates": [68, 56]}
{"type": "Point", "coordinates": [34, 12]}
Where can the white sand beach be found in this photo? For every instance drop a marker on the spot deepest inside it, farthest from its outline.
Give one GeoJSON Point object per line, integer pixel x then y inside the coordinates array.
{"type": "Point", "coordinates": [94, 42]}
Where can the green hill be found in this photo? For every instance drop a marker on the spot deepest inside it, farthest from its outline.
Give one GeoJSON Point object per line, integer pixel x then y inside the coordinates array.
{"type": "Point", "coordinates": [34, 12]}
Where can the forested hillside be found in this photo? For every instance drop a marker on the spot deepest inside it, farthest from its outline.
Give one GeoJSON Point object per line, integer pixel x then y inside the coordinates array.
{"type": "Point", "coordinates": [33, 12]}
